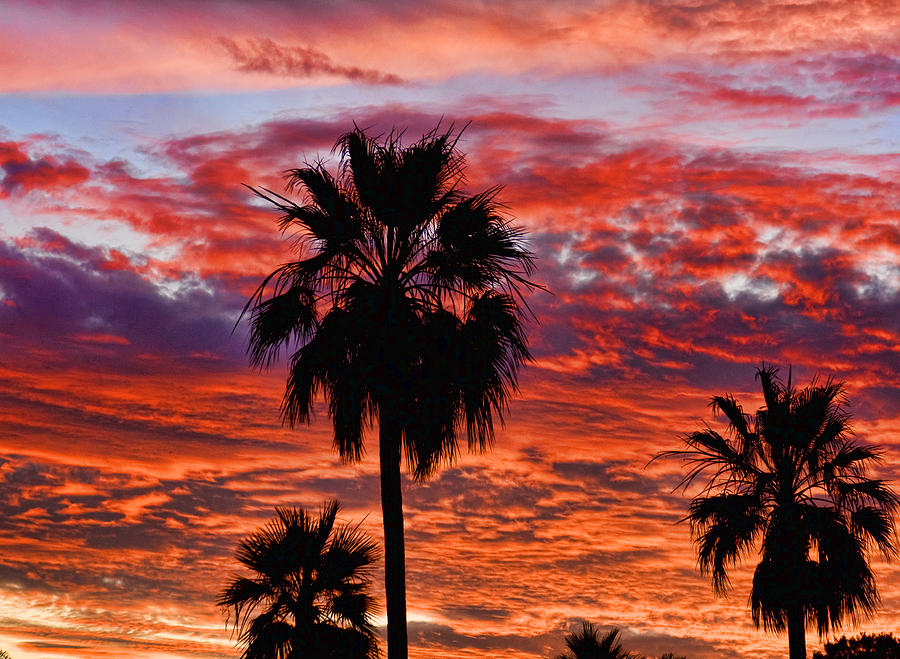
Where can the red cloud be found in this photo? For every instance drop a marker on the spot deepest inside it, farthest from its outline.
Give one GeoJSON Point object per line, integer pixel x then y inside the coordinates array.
{"type": "Point", "coordinates": [21, 172]}
{"type": "Point", "coordinates": [767, 101]}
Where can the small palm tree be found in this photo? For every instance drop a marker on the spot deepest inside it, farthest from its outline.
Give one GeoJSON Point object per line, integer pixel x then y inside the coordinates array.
{"type": "Point", "coordinates": [589, 644]}
{"type": "Point", "coordinates": [404, 307]}
{"type": "Point", "coordinates": [792, 480]}
{"type": "Point", "coordinates": [308, 595]}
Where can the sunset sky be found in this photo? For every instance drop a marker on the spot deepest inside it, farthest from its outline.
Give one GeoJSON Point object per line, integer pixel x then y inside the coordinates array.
{"type": "Point", "coordinates": [707, 184]}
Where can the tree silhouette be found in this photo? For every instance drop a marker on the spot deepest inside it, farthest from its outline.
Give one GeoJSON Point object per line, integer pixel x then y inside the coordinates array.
{"type": "Point", "coordinates": [866, 646]}
{"type": "Point", "coordinates": [589, 644]}
{"type": "Point", "coordinates": [792, 480]}
{"type": "Point", "coordinates": [405, 307]}
{"type": "Point", "coordinates": [308, 595]}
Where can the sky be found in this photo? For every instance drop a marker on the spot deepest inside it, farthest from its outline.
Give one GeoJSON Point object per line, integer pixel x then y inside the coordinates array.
{"type": "Point", "coordinates": [708, 185]}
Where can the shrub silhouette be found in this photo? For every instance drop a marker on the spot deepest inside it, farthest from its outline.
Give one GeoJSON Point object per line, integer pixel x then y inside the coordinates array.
{"type": "Point", "coordinates": [866, 646]}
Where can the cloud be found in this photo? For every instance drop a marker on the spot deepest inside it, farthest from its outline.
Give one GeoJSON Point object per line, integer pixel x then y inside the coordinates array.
{"type": "Point", "coordinates": [98, 302]}
{"type": "Point", "coordinates": [266, 56]}
{"type": "Point", "coordinates": [434, 636]}
{"type": "Point", "coordinates": [413, 41]}
{"type": "Point", "coordinates": [656, 644]}
{"type": "Point", "coordinates": [22, 173]}
{"type": "Point", "coordinates": [699, 91]}
{"type": "Point", "coordinates": [773, 27]}
{"type": "Point", "coordinates": [664, 257]}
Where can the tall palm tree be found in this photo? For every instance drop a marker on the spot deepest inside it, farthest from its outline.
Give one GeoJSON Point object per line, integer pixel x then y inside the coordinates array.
{"type": "Point", "coordinates": [589, 644]}
{"type": "Point", "coordinates": [308, 594]}
{"type": "Point", "coordinates": [404, 307]}
{"type": "Point", "coordinates": [792, 480]}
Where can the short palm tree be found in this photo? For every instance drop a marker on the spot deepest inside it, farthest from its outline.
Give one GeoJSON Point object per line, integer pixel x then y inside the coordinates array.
{"type": "Point", "coordinates": [792, 480]}
{"type": "Point", "coordinates": [404, 307]}
{"type": "Point", "coordinates": [308, 595]}
{"type": "Point", "coordinates": [589, 644]}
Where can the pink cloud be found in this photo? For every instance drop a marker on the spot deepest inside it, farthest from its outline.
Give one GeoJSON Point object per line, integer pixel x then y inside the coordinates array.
{"type": "Point", "coordinates": [266, 56]}
{"type": "Point", "coordinates": [138, 51]}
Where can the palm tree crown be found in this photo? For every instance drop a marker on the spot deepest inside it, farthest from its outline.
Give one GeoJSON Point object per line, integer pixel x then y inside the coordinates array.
{"type": "Point", "coordinates": [405, 298]}
{"type": "Point", "coordinates": [589, 644]}
{"type": "Point", "coordinates": [308, 594]}
{"type": "Point", "coordinates": [792, 480]}
{"type": "Point", "coordinates": [405, 306]}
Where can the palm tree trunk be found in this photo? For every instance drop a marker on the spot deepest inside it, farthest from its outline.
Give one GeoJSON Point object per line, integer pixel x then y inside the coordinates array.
{"type": "Point", "coordinates": [394, 550]}
{"type": "Point", "coordinates": [796, 634]}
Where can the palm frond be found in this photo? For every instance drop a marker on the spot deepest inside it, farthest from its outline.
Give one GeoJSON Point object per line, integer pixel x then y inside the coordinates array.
{"type": "Point", "coordinates": [279, 318]}
{"type": "Point", "coordinates": [427, 173]}
{"type": "Point", "coordinates": [737, 418]}
{"type": "Point", "coordinates": [494, 346]}
{"type": "Point", "coordinates": [436, 406]}
{"type": "Point", "coordinates": [267, 638]}
{"type": "Point", "coordinates": [478, 247]}
{"type": "Point", "coordinates": [876, 524]}
{"type": "Point", "coordinates": [725, 527]}
{"type": "Point", "coordinates": [773, 388]}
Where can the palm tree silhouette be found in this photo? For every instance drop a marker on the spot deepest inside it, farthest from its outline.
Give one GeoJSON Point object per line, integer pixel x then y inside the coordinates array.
{"type": "Point", "coordinates": [791, 479]}
{"type": "Point", "coordinates": [308, 595]}
{"type": "Point", "coordinates": [406, 307]}
{"type": "Point", "coordinates": [589, 644]}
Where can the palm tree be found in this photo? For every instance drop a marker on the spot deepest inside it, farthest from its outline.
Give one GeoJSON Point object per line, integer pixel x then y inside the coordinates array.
{"type": "Point", "coordinates": [404, 307]}
{"type": "Point", "coordinates": [793, 481]}
{"type": "Point", "coordinates": [307, 597]}
{"type": "Point", "coordinates": [588, 644]}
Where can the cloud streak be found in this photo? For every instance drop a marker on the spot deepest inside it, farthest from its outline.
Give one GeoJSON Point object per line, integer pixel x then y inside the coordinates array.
{"type": "Point", "coordinates": [266, 56]}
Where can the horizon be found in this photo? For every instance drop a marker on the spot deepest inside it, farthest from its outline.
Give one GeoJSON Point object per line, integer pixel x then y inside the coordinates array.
{"type": "Point", "coordinates": [707, 186]}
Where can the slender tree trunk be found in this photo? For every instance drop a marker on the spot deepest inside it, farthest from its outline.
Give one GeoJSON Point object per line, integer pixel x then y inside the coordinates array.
{"type": "Point", "coordinates": [796, 634]}
{"type": "Point", "coordinates": [394, 550]}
